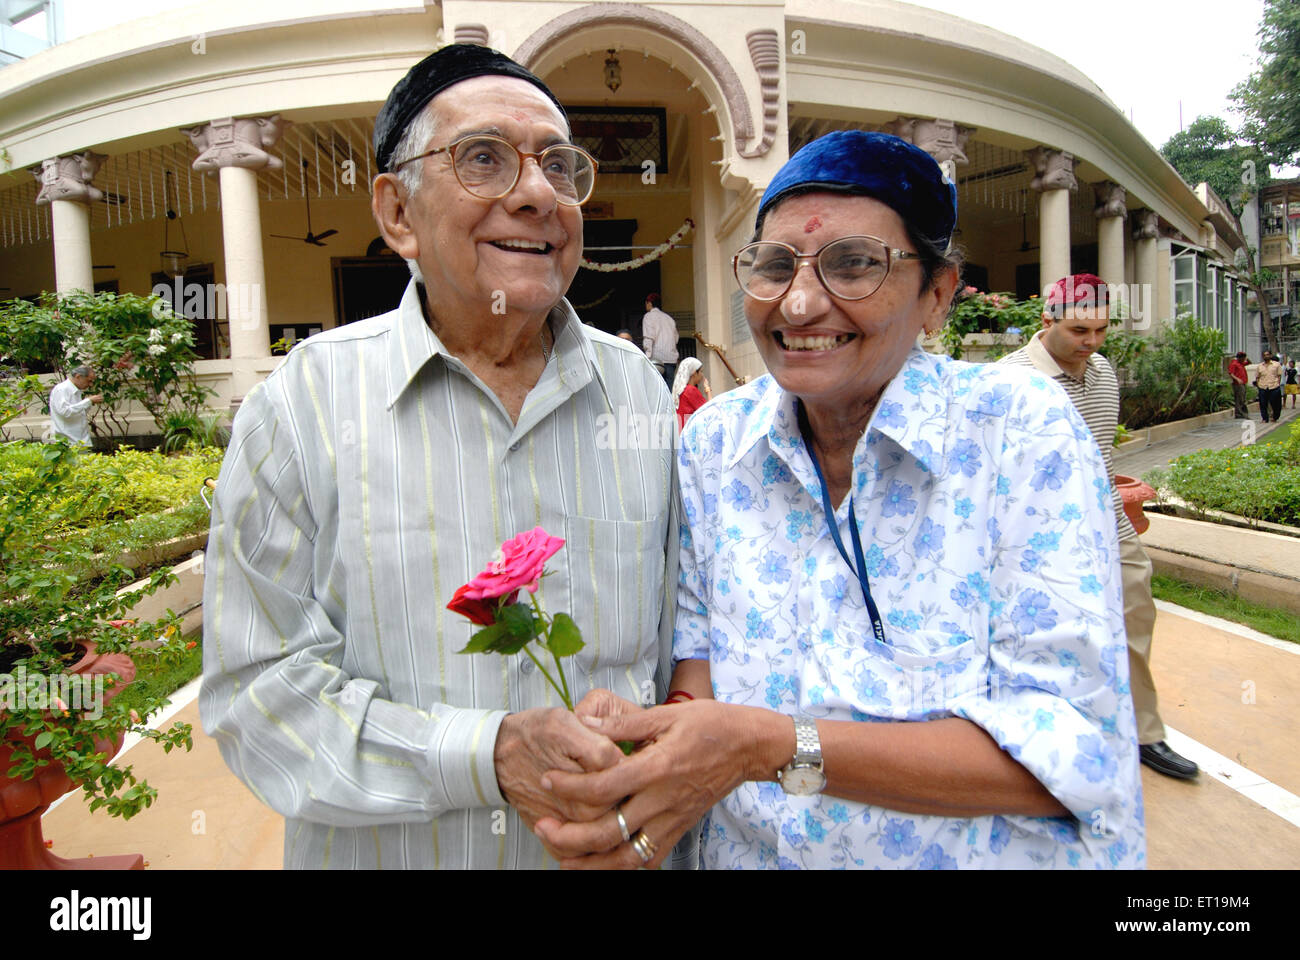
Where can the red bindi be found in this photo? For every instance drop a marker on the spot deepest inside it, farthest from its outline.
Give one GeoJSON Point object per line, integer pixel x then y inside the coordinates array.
{"type": "Point", "coordinates": [813, 224]}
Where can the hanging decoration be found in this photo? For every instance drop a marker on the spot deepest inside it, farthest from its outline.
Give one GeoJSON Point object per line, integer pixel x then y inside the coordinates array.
{"type": "Point", "coordinates": [641, 261]}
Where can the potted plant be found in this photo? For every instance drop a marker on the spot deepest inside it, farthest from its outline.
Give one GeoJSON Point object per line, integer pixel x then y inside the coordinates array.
{"type": "Point", "coordinates": [64, 647]}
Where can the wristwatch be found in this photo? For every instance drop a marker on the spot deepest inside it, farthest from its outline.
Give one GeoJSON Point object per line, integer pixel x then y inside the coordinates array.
{"type": "Point", "coordinates": [803, 776]}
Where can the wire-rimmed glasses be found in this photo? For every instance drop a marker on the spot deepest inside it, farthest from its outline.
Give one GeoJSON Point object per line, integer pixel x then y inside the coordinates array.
{"type": "Point", "coordinates": [488, 167]}
{"type": "Point", "coordinates": [851, 268]}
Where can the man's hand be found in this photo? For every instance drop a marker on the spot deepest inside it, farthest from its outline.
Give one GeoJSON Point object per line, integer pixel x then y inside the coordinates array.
{"type": "Point", "coordinates": [603, 703]}
{"type": "Point", "coordinates": [97, 398]}
{"type": "Point", "coordinates": [532, 742]}
{"type": "Point", "coordinates": [693, 755]}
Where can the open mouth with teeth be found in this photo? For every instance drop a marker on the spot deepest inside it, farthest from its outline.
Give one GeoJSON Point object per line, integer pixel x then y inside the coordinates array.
{"type": "Point", "coordinates": [811, 344]}
{"type": "Point", "coordinates": [523, 246]}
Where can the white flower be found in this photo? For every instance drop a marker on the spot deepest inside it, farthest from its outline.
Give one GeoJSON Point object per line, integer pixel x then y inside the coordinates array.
{"type": "Point", "coordinates": [155, 335]}
{"type": "Point", "coordinates": [156, 350]}
{"type": "Point", "coordinates": [177, 337]}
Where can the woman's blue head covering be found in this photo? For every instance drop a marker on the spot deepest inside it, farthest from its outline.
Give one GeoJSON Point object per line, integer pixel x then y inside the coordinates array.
{"type": "Point", "coordinates": [893, 171]}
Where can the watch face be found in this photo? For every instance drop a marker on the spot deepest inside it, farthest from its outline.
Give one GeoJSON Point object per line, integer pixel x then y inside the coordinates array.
{"type": "Point", "coordinates": [803, 781]}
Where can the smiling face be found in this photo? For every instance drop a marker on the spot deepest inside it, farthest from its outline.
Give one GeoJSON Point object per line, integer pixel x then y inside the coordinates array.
{"type": "Point", "coordinates": [837, 355]}
{"type": "Point", "coordinates": [518, 253]}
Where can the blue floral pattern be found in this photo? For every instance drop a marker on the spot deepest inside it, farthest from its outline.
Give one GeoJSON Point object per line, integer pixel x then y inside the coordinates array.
{"type": "Point", "coordinates": [989, 540]}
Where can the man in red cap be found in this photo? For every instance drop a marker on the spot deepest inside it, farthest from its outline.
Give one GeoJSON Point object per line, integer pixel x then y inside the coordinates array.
{"type": "Point", "coordinates": [1076, 320]}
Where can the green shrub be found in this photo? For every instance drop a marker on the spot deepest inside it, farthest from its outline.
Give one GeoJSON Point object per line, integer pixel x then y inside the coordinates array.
{"type": "Point", "coordinates": [976, 312]}
{"type": "Point", "coordinates": [1175, 375]}
{"type": "Point", "coordinates": [1261, 481]}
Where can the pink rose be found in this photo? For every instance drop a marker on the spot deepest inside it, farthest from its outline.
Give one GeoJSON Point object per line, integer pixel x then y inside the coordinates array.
{"type": "Point", "coordinates": [522, 562]}
{"type": "Point", "coordinates": [970, 291]}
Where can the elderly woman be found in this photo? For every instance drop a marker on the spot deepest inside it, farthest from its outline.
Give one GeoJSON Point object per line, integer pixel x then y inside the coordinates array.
{"type": "Point", "coordinates": [900, 637]}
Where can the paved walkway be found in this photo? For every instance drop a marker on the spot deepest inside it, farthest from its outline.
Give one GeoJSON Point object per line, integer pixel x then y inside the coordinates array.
{"type": "Point", "coordinates": [1135, 460]}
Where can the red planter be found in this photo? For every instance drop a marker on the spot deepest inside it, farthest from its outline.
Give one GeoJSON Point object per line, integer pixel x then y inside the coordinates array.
{"type": "Point", "coordinates": [1134, 493]}
{"type": "Point", "coordinates": [22, 802]}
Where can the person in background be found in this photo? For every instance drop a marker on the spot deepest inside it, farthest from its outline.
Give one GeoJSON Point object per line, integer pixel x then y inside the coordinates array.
{"type": "Point", "coordinates": [659, 332]}
{"type": "Point", "coordinates": [690, 389]}
{"type": "Point", "coordinates": [68, 407]}
{"type": "Point", "coordinates": [625, 334]}
{"type": "Point", "coordinates": [1268, 378]}
{"type": "Point", "coordinates": [1292, 386]}
{"type": "Point", "coordinates": [1237, 371]}
{"type": "Point", "coordinates": [1075, 322]}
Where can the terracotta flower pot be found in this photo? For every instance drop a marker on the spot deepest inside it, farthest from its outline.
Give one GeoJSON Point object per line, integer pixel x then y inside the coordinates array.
{"type": "Point", "coordinates": [22, 802]}
{"type": "Point", "coordinates": [1134, 493]}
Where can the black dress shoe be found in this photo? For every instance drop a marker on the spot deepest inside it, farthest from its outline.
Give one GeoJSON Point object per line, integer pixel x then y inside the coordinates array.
{"type": "Point", "coordinates": [1161, 759]}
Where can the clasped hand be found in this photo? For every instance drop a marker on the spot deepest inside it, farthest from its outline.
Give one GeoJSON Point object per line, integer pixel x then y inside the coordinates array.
{"type": "Point", "coordinates": [690, 756]}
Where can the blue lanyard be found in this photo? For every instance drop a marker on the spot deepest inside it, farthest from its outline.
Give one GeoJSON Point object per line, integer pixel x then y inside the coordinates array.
{"type": "Point", "coordinates": [859, 568]}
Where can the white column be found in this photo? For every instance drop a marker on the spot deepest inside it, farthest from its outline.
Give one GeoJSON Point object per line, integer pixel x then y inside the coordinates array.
{"type": "Point", "coordinates": [1146, 240]}
{"type": "Point", "coordinates": [1055, 181]}
{"type": "Point", "coordinates": [72, 263]}
{"type": "Point", "coordinates": [1110, 212]}
{"type": "Point", "coordinates": [241, 229]}
{"type": "Point", "coordinates": [238, 148]}
{"type": "Point", "coordinates": [66, 186]}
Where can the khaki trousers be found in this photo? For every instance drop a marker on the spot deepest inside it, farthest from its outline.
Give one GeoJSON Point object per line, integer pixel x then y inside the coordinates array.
{"type": "Point", "coordinates": [1139, 622]}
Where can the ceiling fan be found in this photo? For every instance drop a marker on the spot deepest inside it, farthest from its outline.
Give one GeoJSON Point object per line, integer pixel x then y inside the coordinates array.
{"type": "Point", "coordinates": [312, 238]}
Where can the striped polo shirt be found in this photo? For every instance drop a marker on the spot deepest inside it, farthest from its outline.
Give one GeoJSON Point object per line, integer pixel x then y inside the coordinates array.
{"type": "Point", "coordinates": [1096, 397]}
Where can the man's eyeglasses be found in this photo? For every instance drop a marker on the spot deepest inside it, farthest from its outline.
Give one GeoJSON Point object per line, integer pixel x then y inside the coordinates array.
{"type": "Point", "coordinates": [851, 268]}
{"type": "Point", "coordinates": [488, 167]}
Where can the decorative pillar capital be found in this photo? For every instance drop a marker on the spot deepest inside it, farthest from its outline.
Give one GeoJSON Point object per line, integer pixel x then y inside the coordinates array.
{"type": "Point", "coordinates": [1112, 200]}
{"type": "Point", "coordinates": [1146, 225]}
{"type": "Point", "coordinates": [945, 140]}
{"type": "Point", "coordinates": [68, 178]}
{"type": "Point", "coordinates": [241, 142]}
{"type": "Point", "coordinates": [475, 33]}
{"type": "Point", "coordinates": [1053, 169]}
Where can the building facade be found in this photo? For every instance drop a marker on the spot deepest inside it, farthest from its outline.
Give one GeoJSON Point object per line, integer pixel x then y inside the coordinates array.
{"type": "Point", "coordinates": [221, 156]}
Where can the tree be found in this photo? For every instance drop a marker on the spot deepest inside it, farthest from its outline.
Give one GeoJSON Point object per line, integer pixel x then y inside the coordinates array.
{"type": "Point", "coordinates": [1209, 151]}
{"type": "Point", "coordinates": [1269, 99]}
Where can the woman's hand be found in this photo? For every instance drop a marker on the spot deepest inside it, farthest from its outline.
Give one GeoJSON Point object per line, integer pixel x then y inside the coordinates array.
{"type": "Point", "coordinates": [691, 756]}
{"type": "Point", "coordinates": [706, 389]}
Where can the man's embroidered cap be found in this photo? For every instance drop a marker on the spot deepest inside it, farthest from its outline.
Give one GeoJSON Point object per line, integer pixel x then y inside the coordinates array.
{"type": "Point", "coordinates": [432, 75]}
{"type": "Point", "coordinates": [1078, 290]}
{"type": "Point", "coordinates": [877, 165]}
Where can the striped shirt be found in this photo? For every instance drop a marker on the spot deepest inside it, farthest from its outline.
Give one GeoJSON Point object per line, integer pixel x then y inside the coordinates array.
{"type": "Point", "coordinates": [368, 478]}
{"type": "Point", "coordinates": [1096, 397]}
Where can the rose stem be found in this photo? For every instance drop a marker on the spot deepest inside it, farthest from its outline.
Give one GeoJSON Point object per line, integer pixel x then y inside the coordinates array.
{"type": "Point", "coordinates": [568, 697]}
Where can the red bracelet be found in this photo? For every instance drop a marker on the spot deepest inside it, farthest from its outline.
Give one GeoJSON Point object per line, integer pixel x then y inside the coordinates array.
{"type": "Point", "coordinates": [674, 694]}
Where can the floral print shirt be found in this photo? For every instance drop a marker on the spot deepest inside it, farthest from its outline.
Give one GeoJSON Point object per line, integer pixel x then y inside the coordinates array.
{"type": "Point", "coordinates": [985, 514]}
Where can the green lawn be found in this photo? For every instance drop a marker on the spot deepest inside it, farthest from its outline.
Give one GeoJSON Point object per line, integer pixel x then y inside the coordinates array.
{"type": "Point", "coordinates": [1281, 433]}
{"type": "Point", "coordinates": [157, 679]}
{"type": "Point", "coordinates": [1276, 623]}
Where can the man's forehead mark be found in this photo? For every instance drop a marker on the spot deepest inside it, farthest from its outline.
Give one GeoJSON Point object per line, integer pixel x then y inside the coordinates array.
{"type": "Point", "coordinates": [814, 223]}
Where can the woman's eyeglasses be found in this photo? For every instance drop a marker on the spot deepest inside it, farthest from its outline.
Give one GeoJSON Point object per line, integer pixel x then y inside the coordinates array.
{"type": "Point", "coordinates": [851, 268]}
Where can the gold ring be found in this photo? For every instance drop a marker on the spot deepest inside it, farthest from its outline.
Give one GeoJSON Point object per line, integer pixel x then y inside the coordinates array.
{"type": "Point", "coordinates": [644, 846]}
{"type": "Point", "coordinates": [622, 825]}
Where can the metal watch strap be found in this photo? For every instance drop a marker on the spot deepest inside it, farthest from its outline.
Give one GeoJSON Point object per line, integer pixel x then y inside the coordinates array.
{"type": "Point", "coordinates": [807, 744]}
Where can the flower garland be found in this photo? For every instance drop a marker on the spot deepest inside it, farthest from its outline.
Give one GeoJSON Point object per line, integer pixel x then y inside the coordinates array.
{"type": "Point", "coordinates": [641, 261]}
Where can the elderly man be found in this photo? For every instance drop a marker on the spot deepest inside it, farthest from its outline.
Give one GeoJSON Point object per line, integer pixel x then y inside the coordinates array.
{"type": "Point", "coordinates": [1075, 322]}
{"type": "Point", "coordinates": [68, 407]}
{"type": "Point", "coordinates": [380, 468]}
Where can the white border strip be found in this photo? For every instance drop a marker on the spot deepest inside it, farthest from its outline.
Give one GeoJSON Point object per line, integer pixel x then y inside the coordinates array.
{"type": "Point", "coordinates": [1228, 626]}
{"type": "Point", "coordinates": [1248, 783]}
{"type": "Point", "coordinates": [181, 699]}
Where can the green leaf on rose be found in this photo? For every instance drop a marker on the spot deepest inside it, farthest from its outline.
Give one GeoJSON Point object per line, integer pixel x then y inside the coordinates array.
{"type": "Point", "coordinates": [565, 639]}
{"type": "Point", "coordinates": [517, 619]}
{"type": "Point", "coordinates": [484, 641]}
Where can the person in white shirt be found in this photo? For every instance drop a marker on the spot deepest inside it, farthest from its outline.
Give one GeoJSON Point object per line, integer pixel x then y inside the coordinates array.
{"type": "Point", "coordinates": [68, 407]}
{"type": "Point", "coordinates": [659, 333]}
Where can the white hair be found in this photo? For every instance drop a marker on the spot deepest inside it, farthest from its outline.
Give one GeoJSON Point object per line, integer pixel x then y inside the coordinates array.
{"type": "Point", "coordinates": [415, 140]}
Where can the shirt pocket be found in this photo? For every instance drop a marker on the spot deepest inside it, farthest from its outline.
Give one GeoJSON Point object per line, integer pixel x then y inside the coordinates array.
{"type": "Point", "coordinates": [616, 587]}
